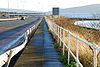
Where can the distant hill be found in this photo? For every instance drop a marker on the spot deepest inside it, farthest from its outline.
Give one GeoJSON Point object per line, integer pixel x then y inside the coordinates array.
{"type": "Point", "coordinates": [95, 8]}
{"type": "Point", "coordinates": [16, 10]}
{"type": "Point", "coordinates": [89, 11]}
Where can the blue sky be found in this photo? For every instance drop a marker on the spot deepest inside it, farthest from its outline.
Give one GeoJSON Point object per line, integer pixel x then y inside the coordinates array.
{"type": "Point", "coordinates": [45, 5]}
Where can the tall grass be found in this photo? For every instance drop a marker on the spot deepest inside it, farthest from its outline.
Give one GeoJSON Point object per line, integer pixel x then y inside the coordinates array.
{"type": "Point", "coordinates": [91, 35]}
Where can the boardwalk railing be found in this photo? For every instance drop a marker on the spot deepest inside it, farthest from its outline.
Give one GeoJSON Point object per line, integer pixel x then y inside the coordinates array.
{"type": "Point", "coordinates": [6, 56]}
{"type": "Point", "coordinates": [60, 33]}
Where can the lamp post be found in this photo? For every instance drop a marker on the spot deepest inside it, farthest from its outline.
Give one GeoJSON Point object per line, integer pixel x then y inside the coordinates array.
{"type": "Point", "coordinates": [23, 7]}
{"type": "Point", "coordinates": [17, 9]}
{"type": "Point", "coordinates": [23, 4]}
{"type": "Point", "coordinates": [8, 9]}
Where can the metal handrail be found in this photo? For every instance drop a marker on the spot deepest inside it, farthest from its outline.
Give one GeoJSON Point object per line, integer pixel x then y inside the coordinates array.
{"type": "Point", "coordinates": [56, 29]}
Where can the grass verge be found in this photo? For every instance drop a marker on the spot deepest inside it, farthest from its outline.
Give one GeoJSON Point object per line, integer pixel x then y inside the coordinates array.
{"type": "Point", "coordinates": [63, 58]}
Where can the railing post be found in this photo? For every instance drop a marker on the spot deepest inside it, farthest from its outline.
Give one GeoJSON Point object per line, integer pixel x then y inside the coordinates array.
{"type": "Point", "coordinates": [77, 48]}
{"type": "Point", "coordinates": [53, 27]}
{"type": "Point", "coordinates": [60, 36]}
{"type": "Point", "coordinates": [63, 49]}
{"type": "Point", "coordinates": [95, 58]}
{"type": "Point", "coordinates": [58, 33]}
{"type": "Point", "coordinates": [63, 42]}
{"type": "Point", "coordinates": [56, 29]}
{"type": "Point", "coordinates": [68, 47]}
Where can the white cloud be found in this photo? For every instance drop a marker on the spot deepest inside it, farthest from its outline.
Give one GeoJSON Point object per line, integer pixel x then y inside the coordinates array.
{"type": "Point", "coordinates": [46, 5]}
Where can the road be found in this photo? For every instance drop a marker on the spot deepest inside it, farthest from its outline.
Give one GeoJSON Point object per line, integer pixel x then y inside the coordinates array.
{"type": "Point", "coordinates": [13, 24]}
{"type": "Point", "coordinates": [15, 29]}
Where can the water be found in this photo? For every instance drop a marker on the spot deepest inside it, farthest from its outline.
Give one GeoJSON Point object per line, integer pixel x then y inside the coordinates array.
{"type": "Point", "coordinates": [89, 23]}
{"type": "Point", "coordinates": [80, 15]}
{"type": "Point", "coordinates": [85, 23]}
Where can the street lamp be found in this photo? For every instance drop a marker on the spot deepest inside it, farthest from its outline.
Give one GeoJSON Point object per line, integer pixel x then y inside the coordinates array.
{"type": "Point", "coordinates": [23, 1]}
{"type": "Point", "coordinates": [8, 9]}
{"type": "Point", "coordinates": [23, 8]}
{"type": "Point", "coordinates": [17, 8]}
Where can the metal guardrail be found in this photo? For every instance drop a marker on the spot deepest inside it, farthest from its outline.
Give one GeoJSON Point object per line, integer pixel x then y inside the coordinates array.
{"type": "Point", "coordinates": [57, 31]}
{"type": "Point", "coordinates": [6, 57]}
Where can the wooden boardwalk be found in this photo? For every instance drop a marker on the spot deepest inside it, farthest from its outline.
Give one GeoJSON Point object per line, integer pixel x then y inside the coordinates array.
{"type": "Point", "coordinates": [40, 51]}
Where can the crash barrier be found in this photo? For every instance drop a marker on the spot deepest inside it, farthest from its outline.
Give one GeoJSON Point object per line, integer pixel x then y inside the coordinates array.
{"type": "Point", "coordinates": [22, 41]}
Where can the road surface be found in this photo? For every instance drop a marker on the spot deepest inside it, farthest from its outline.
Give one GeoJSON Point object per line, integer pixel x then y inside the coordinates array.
{"type": "Point", "coordinates": [16, 29]}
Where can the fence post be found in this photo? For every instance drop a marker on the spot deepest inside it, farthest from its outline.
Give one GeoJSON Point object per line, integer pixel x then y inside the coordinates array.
{"type": "Point", "coordinates": [68, 47]}
{"type": "Point", "coordinates": [77, 48]}
{"type": "Point", "coordinates": [60, 36]}
{"type": "Point", "coordinates": [53, 29]}
{"type": "Point", "coordinates": [63, 42]}
{"type": "Point", "coordinates": [56, 30]}
{"type": "Point", "coordinates": [95, 58]}
{"type": "Point", "coordinates": [58, 33]}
